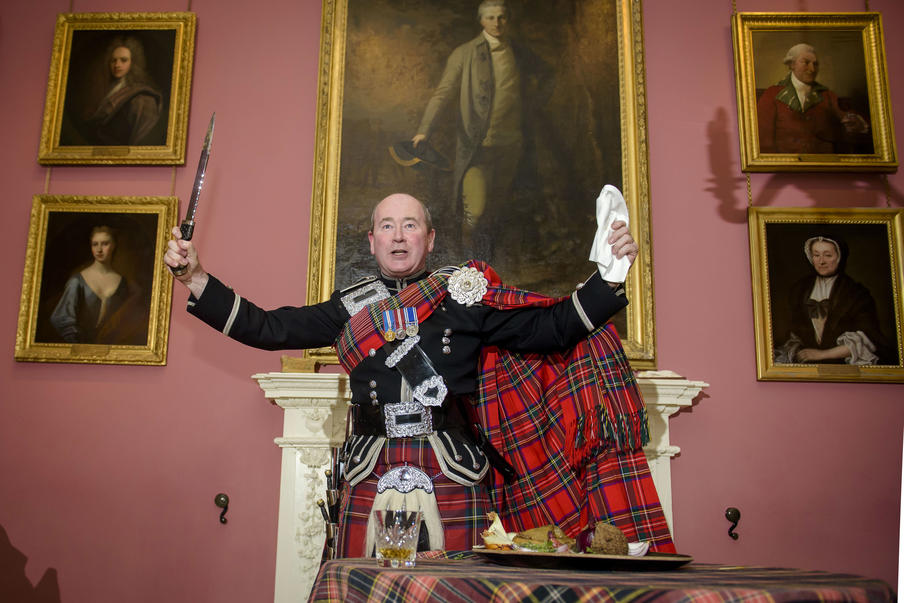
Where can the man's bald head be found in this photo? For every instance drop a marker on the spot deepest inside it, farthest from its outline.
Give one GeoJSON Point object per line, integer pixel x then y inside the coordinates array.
{"type": "Point", "coordinates": [428, 219]}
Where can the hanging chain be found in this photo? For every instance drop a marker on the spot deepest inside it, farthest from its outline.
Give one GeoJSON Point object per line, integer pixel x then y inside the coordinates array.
{"type": "Point", "coordinates": [887, 188]}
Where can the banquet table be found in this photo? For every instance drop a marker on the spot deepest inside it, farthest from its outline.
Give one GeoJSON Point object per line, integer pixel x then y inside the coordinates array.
{"type": "Point", "coordinates": [466, 577]}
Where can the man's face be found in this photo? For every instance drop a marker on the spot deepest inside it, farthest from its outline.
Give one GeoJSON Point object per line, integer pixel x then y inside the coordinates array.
{"type": "Point", "coordinates": [494, 20]}
{"type": "Point", "coordinates": [400, 241]}
{"type": "Point", "coordinates": [121, 62]}
{"type": "Point", "coordinates": [805, 67]}
{"type": "Point", "coordinates": [825, 258]}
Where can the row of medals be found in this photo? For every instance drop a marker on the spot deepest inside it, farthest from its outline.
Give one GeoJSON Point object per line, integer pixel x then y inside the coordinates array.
{"type": "Point", "coordinates": [399, 323]}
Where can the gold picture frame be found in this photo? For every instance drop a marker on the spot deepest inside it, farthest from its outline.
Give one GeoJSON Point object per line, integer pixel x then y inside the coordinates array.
{"type": "Point", "coordinates": [846, 122]}
{"type": "Point", "coordinates": [863, 310]}
{"type": "Point", "coordinates": [379, 64]}
{"type": "Point", "coordinates": [61, 316]}
{"type": "Point", "coordinates": [98, 112]}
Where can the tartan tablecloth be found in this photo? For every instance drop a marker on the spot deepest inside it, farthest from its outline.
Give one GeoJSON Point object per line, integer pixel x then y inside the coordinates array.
{"type": "Point", "coordinates": [465, 578]}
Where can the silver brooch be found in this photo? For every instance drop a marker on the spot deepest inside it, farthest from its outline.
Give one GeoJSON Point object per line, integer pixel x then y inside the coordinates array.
{"type": "Point", "coordinates": [467, 286]}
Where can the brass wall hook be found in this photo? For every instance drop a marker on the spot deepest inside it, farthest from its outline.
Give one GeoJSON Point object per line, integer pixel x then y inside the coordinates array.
{"type": "Point", "coordinates": [222, 501]}
{"type": "Point", "coordinates": [734, 516]}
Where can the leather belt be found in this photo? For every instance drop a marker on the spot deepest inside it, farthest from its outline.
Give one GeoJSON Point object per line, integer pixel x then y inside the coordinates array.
{"type": "Point", "coordinates": [406, 419]}
{"type": "Point", "coordinates": [370, 420]}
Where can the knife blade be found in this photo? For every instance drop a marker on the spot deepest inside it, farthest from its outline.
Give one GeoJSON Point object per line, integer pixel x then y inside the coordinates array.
{"type": "Point", "coordinates": [188, 224]}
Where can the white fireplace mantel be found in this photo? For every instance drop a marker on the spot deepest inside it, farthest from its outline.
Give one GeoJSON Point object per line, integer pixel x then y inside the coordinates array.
{"type": "Point", "coordinates": [315, 408]}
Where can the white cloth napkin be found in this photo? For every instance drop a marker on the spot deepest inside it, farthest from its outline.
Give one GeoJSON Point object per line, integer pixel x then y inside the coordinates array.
{"type": "Point", "coordinates": [610, 206]}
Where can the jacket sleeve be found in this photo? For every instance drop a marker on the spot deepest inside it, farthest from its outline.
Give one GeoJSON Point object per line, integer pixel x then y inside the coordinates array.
{"type": "Point", "coordinates": [286, 328]}
{"type": "Point", "coordinates": [556, 327]}
{"type": "Point", "coordinates": [449, 85]}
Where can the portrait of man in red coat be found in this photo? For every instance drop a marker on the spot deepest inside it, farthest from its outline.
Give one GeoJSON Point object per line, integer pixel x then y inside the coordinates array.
{"type": "Point", "coordinates": [800, 115]}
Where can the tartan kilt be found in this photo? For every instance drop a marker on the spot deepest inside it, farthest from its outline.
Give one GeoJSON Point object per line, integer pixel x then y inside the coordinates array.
{"type": "Point", "coordinates": [615, 487]}
{"type": "Point", "coordinates": [621, 491]}
{"type": "Point", "coordinates": [573, 427]}
{"type": "Point", "coordinates": [463, 509]}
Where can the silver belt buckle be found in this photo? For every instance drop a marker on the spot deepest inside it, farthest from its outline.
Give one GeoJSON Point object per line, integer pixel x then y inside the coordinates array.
{"type": "Point", "coordinates": [407, 419]}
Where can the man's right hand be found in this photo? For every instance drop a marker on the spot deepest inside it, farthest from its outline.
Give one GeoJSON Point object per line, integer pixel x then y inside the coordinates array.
{"type": "Point", "coordinates": [182, 253]}
{"type": "Point", "coordinates": [417, 139]}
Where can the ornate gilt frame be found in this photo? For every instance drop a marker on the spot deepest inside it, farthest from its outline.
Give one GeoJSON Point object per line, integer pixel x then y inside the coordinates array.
{"type": "Point", "coordinates": [639, 341]}
{"type": "Point", "coordinates": [777, 260]}
{"type": "Point", "coordinates": [760, 42]}
{"type": "Point", "coordinates": [58, 245]}
{"type": "Point", "coordinates": [99, 26]}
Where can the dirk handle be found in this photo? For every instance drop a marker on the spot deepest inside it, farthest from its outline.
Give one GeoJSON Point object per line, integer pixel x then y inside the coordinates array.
{"type": "Point", "coordinates": [188, 229]}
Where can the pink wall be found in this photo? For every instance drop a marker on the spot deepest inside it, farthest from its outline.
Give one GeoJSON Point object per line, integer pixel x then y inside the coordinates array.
{"type": "Point", "coordinates": [814, 468]}
{"type": "Point", "coordinates": [108, 473]}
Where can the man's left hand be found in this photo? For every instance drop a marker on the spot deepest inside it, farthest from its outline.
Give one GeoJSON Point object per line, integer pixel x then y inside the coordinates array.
{"type": "Point", "coordinates": [623, 244]}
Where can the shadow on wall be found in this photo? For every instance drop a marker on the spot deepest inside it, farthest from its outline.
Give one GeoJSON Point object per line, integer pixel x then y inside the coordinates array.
{"type": "Point", "coordinates": [15, 586]}
{"type": "Point", "coordinates": [728, 184]}
{"type": "Point", "coordinates": [725, 184]}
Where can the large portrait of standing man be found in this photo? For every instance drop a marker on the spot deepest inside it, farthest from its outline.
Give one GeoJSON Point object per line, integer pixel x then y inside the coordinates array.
{"type": "Point", "coordinates": [505, 117]}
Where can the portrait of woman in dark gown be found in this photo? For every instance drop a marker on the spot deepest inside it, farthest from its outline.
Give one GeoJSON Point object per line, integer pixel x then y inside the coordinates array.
{"type": "Point", "coordinates": [833, 317]}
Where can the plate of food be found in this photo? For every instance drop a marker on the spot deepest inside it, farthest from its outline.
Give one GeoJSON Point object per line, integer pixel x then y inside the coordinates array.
{"type": "Point", "coordinates": [584, 561]}
{"type": "Point", "coordinates": [598, 547]}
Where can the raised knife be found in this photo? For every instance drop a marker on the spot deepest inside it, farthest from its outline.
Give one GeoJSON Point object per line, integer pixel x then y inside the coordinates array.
{"type": "Point", "coordinates": [188, 224]}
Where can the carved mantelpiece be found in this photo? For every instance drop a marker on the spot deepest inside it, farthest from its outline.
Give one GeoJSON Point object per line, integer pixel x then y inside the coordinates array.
{"type": "Point", "coordinates": [315, 406]}
{"type": "Point", "coordinates": [664, 394]}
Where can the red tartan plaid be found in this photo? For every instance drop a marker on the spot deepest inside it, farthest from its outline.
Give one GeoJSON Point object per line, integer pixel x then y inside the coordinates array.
{"type": "Point", "coordinates": [362, 332]}
{"type": "Point", "coordinates": [569, 424]}
{"type": "Point", "coordinates": [620, 490]}
{"type": "Point", "coordinates": [537, 416]}
{"type": "Point", "coordinates": [463, 509]}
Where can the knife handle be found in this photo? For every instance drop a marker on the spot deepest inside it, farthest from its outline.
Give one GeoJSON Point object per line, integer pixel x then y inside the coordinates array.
{"type": "Point", "coordinates": [188, 229]}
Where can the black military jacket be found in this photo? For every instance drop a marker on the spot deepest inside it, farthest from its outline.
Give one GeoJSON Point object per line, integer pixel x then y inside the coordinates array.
{"type": "Point", "coordinates": [451, 337]}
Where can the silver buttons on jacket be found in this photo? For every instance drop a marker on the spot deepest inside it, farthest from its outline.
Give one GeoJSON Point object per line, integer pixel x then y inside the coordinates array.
{"type": "Point", "coordinates": [447, 339]}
